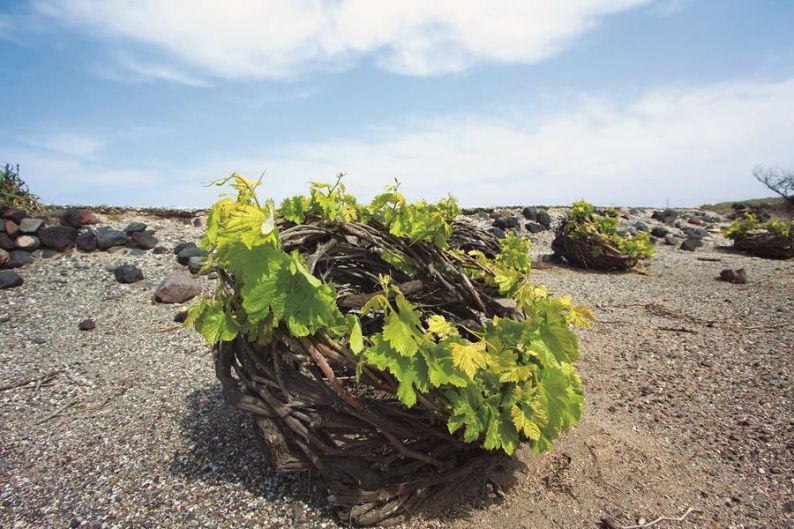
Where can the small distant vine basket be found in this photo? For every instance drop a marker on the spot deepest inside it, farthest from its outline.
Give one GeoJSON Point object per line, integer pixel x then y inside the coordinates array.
{"type": "Point", "coordinates": [591, 253]}
{"type": "Point", "coordinates": [764, 244]}
{"type": "Point", "coordinates": [374, 350]}
{"type": "Point", "coordinates": [591, 240]}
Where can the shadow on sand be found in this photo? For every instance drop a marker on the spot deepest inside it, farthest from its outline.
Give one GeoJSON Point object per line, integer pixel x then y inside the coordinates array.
{"type": "Point", "coordinates": [226, 449]}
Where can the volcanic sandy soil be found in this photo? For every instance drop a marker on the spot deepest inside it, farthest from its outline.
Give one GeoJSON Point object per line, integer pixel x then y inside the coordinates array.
{"type": "Point", "coordinates": [688, 382]}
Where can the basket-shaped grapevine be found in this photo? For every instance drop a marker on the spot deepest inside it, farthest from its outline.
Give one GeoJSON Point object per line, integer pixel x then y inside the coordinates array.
{"type": "Point", "coordinates": [589, 240]}
{"type": "Point", "coordinates": [373, 347]}
{"type": "Point", "coordinates": [770, 240]}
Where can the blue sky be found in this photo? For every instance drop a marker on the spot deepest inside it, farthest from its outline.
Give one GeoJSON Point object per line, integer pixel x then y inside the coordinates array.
{"type": "Point", "coordinates": [631, 102]}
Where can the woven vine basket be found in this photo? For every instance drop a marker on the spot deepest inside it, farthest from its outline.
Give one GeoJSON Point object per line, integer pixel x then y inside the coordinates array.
{"type": "Point", "coordinates": [764, 244]}
{"type": "Point", "coordinates": [377, 460]}
{"type": "Point", "coordinates": [591, 252]}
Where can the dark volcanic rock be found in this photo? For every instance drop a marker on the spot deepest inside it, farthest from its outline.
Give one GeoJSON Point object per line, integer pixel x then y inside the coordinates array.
{"type": "Point", "coordinates": [144, 239]}
{"type": "Point", "coordinates": [18, 258]}
{"type": "Point", "coordinates": [499, 222]}
{"type": "Point", "coordinates": [530, 213]}
{"type": "Point", "coordinates": [6, 242]}
{"type": "Point", "coordinates": [182, 245]}
{"type": "Point", "coordinates": [641, 226]}
{"type": "Point", "coordinates": [108, 238]}
{"type": "Point", "coordinates": [134, 227]}
{"type": "Point", "coordinates": [184, 256]}
{"type": "Point", "coordinates": [696, 233]}
{"type": "Point", "coordinates": [544, 219]}
{"type": "Point", "coordinates": [128, 274]}
{"type": "Point", "coordinates": [534, 227]}
{"type": "Point", "coordinates": [3, 257]}
{"type": "Point", "coordinates": [160, 250]}
{"type": "Point", "coordinates": [87, 325]}
{"type": "Point", "coordinates": [177, 287]}
{"type": "Point", "coordinates": [512, 222]}
{"type": "Point", "coordinates": [180, 316]}
{"type": "Point", "coordinates": [30, 225]}
{"type": "Point", "coordinates": [660, 231]}
{"type": "Point", "coordinates": [58, 237]}
{"type": "Point", "coordinates": [86, 240]}
{"type": "Point", "coordinates": [10, 279]}
{"type": "Point", "coordinates": [197, 222]}
{"type": "Point", "coordinates": [738, 277]}
{"type": "Point", "coordinates": [195, 263]}
{"type": "Point", "coordinates": [691, 245]}
{"type": "Point", "coordinates": [2, 225]}
{"type": "Point", "coordinates": [15, 215]}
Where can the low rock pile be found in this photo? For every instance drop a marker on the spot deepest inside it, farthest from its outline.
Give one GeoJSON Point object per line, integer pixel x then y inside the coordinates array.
{"type": "Point", "coordinates": [24, 237]}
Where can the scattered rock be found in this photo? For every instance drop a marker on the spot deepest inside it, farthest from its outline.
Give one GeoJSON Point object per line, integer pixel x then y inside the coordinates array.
{"type": "Point", "coordinates": [711, 218]}
{"type": "Point", "coordinates": [641, 226]}
{"type": "Point", "coordinates": [137, 252]}
{"type": "Point", "coordinates": [28, 243]}
{"type": "Point", "coordinates": [696, 233]}
{"type": "Point", "coordinates": [195, 263]}
{"type": "Point", "coordinates": [12, 228]}
{"type": "Point", "coordinates": [39, 340]}
{"type": "Point", "coordinates": [530, 213]}
{"type": "Point", "coordinates": [128, 274]}
{"type": "Point", "coordinates": [108, 238]}
{"type": "Point", "coordinates": [87, 325]}
{"type": "Point", "coordinates": [58, 237]}
{"type": "Point", "coordinates": [544, 219]}
{"type": "Point", "coordinates": [696, 220]}
{"type": "Point", "coordinates": [691, 244]}
{"type": "Point", "coordinates": [660, 231]}
{"type": "Point", "coordinates": [181, 246]}
{"type": "Point", "coordinates": [180, 316]}
{"type": "Point", "coordinates": [144, 239]}
{"type": "Point", "coordinates": [134, 227]}
{"type": "Point", "coordinates": [158, 250]}
{"type": "Point", "coordinates": [197, 222]}
{"type": "Point", "coordinates": [3, 257]}
{"type": "Point", "coordinates": [534, 227]}
{"type": "Point", "coordinates": [18, 258]}
{"type": "Point", "coordinates": [86, 240]}
{"type": "Point", "coordinates": [2, 225]}
{"type": "Point", "coordinates": [30, 225]}
{"type": "Point", "coordinates": [512, 222]}
{"type": "Point", "coordinates": [738, 277]}
{"type": "Point", "coordinates": [10, 279]}
{"type": "Point", "coordinates": [191, 251]}
{"type": "Point", "coordinates": [46, 253]}
{"type": "Point", "coordinates": [177, 287]}
{"type": "Point", "coordinates": [499, 222]}
{"type": "Point", "coordinates": [667, 216]}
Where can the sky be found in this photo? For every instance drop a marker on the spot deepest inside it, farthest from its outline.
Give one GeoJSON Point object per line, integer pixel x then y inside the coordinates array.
{"type": "Point", "coordinates": [498, 102]}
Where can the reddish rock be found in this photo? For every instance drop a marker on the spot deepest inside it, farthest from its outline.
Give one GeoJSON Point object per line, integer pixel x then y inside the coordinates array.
{"type": "Point", "coordinates": [3, 257]}
{"type": "Point", "coordinates": [87, 217]}
{"type": "Point", "coordinates": [12, 228]}
{"type": "Point", "coordinates": [177, 287]}
{"type": "Point", "coordinates": [697, 221]}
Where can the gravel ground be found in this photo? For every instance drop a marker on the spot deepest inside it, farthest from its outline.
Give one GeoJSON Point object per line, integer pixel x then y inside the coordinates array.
{"type": "Point", "coordinates": [689, 404]}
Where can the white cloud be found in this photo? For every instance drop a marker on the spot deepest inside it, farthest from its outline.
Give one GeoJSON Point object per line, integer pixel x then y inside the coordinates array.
{"type": "Point", "coordinates": [691, 145]}
{"type": "Point", "coordinates": [67, 143]}
{"type": "Point", "coordinates": [687, 144]}
{"type": "Point", "coordinates": [276, 39]}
